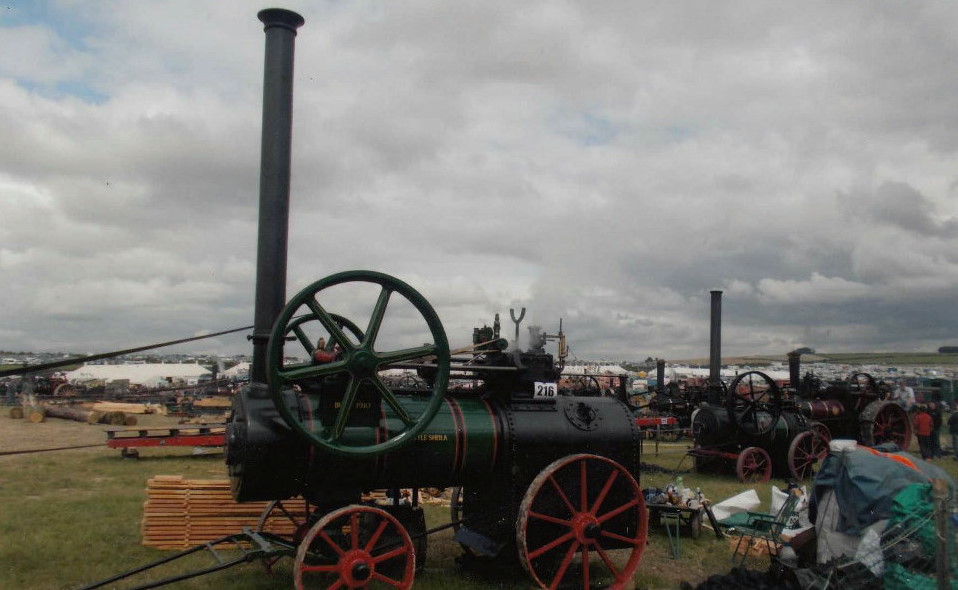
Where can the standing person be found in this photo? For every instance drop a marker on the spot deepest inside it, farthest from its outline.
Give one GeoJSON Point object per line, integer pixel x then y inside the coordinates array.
{"type": "Point", "coordinates": [953, 429]}
{"type": "Point", "coordinates": [906, 395]}
{"type": "Point", "coordinates": [922, 423]}
{"type": "Point", "coordinates": [936, 419]}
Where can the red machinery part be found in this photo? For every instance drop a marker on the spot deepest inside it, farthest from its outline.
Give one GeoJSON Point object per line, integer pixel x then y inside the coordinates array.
{"type": "Point", "coordinates": [355, 547]}
{"type": "Point", "coordinates": [584, 504]}
{"type": "Point", "coordinates": [822, 409]}
{"type": "Point", "coordinates": [753, 465]}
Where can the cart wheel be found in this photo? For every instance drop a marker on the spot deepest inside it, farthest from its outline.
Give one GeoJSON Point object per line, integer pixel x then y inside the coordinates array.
{"type": "Point", "coordinates": [883, 422]}
{"type": "Point", "coordinates": [695, 524]}
{"type": "Point", "coordinates": [355, 547]}
{"type": "Point", "coordinates": [583, 504]}
{"type": "Point", "coordinates": [822, 431]}
{"type": "Point", "coordinates": [287, 519]}
{"type": "Point", "coordinates": [753, 465]}
{"type": "Point", "coordinates": [806, 449]}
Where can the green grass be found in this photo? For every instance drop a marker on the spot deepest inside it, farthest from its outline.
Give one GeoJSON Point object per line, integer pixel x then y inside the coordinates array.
{"type": "Point", "coordinates": [73, 517]}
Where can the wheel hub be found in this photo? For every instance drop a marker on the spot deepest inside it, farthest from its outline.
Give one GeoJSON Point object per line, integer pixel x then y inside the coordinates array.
{"type": "Point", "coordinates": [587, 529]}
{"type": "Point", "coordinates": [356, 567]}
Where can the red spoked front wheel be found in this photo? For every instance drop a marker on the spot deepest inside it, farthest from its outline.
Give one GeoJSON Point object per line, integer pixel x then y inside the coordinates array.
{"type": "Point", "coordinates": [753, 465]}
{"type": "Point", "coordinates": [355, 547]}
{"type": "Point", "coordinates": [805, 452]}
{"type": "Point", "coordinates": [585, 506]}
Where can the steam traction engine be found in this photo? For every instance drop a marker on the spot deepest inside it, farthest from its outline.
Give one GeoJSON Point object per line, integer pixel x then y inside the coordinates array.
{"type": "Point", "coordinates": [855, 409]}
{"type": "Point", "coordinates": [549, 481]}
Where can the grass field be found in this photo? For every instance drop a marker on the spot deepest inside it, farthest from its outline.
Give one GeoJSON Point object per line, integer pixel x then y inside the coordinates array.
{"type": "Point", "coordinates": [73, 517]}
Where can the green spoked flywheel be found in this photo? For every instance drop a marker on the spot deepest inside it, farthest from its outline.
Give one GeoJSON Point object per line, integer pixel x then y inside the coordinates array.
{"type": "Point", "coordinates": [354, 362]}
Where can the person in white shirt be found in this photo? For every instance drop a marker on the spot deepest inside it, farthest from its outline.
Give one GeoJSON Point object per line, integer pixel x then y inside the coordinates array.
{"type": "Point", "coordinates": [906, 396]}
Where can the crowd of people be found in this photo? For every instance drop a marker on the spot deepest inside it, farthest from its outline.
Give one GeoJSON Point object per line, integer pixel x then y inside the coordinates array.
{"type": "Point", "coordinates": [927, 419]}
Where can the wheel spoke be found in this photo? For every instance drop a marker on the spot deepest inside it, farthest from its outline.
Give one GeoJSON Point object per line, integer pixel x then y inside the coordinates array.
{"type": "Point", "coordinates": [354, 530]}
{"type": "Point", "coordinates": [391, 554]}
{"type": "Point", "coordinates": [331, 543]}
{"type": "Point", "coordinates": [608, 562]}
{"type": "Point", "coordinates": [585, 567]}
{"type": "Point", "coordinates": [566, 560]}
{"type": "Point", "coordinates": [583, 487]}
{"type": "Point", "coordinates": [303, 339]}
{"type": "Point", "coordinates": [375, 537]}
{"type": "Point", "coordinates": [376, 320]}
{"type": "Point", "coordinates": [318, 568]}
{"type": "Point", "coordinates": [385, 580]}
{"type": "Point", "coordinates": [550, 546]}
{"type": "Point", "coordinates": [551, 519]}
{"type": "Point", "coordinates": [311, 371]}
{"type": "Point", "coordinates": [617, 511]}
{"type": "Point", "coordinates": [345, 409]}
{"type": "Point", "coordinates": [603, 493]}
{"type": "Point", "coordinates": [335, 332]}
{"type": "Point", "coordinates": [565, 499]}
{"type": "Point", "coordinates": [621, 538]}
{"type": "Point", "coordinates": [392, 402]}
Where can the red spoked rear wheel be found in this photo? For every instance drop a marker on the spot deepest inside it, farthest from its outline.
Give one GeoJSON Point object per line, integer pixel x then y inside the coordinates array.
{"type": "Point", "coordinates": [584, 505]}
{"type": "Point", "coordinates": [355, 547]}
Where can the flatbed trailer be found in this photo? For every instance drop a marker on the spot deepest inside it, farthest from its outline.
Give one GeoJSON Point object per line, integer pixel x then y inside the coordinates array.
{"type": "Point", "coordinates": [186, 435]}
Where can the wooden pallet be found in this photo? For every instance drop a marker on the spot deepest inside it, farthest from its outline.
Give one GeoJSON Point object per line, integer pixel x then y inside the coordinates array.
{"type": "Point", "coordinates": [180, 513]}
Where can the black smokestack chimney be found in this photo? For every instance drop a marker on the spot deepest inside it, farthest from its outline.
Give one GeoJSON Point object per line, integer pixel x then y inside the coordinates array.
{"type": "Point", "coordinates": [795, 371]}
{"type": "Point", "coordinates": [715, 349]}
{"type": "Point", "coordinates": [280, 28]}
{"type": "Point", "coordinates": [660, 375]}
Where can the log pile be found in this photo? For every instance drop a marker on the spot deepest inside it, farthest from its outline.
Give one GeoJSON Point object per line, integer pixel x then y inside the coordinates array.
{"type": "Point", "coordinates": [80, 414]}
{"type": "Point", "coordinates": [127, 407]}
{"type": "Point", "coordinates": [179, 513]}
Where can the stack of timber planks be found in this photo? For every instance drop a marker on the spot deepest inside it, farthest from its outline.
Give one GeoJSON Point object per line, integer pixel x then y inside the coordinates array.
{"type": "Point", "coordinates": [179, 513]}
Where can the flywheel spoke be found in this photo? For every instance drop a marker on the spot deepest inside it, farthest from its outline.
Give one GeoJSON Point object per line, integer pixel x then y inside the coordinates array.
{"type": "Point", "coordinates": [376, 320]}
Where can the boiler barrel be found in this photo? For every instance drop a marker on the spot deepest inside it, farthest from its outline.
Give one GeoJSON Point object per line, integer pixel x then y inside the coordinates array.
{"type": "Point", "coordinates": [471, 441]}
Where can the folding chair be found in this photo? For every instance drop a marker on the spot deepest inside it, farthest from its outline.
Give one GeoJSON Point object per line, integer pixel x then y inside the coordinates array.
{"type": "Point", "coordinates": [765, 527]}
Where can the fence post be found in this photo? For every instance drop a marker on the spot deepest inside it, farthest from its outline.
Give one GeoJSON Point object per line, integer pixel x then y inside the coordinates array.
{"type": "Point", "coordinates": [942, 530]}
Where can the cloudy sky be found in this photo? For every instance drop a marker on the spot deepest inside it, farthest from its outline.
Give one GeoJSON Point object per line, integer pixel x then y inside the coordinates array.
{"type": "Point", "coordinates": [607, 163]}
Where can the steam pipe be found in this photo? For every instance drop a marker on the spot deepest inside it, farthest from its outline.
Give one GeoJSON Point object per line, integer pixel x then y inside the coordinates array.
{"type": "Point", "coordinates": [280, 28]}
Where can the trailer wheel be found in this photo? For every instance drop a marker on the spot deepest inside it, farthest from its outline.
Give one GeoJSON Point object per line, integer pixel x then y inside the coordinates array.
{"type": "Point", "coordinates": [354, 547]}
{"type": "Point", "coordinates": [585, 504]}
{"type": "Point", "coordinates": [806, 449]}
{"type": "Point", "coordinates": [753, 465]}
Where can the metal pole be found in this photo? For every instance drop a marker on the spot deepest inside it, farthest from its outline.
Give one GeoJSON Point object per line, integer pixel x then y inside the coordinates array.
{"type": "Point", "coordinates": [280, 28]}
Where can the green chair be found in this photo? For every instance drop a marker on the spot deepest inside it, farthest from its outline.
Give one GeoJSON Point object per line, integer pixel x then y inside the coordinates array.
{"type": "Point", "coordinates": [750, 526]}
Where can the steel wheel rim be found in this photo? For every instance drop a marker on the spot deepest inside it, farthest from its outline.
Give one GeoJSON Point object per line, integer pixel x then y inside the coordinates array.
{"type": "Point", "coordinates": [584, 516]}
{"type": "Point", "coordinates": [358, 564]}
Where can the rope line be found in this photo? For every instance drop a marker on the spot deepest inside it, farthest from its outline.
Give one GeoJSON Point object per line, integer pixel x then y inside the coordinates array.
{"type": "Point", "coordinates": [105, 355]}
